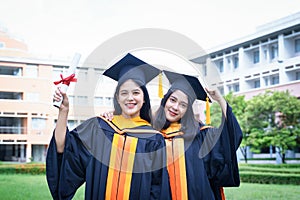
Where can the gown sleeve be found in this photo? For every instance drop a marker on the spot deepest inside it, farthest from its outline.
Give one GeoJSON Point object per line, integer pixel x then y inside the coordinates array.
{"type": "Point", "coordinates": [221, 163]}
{"type": "Point", "coordinates": [66, 171]}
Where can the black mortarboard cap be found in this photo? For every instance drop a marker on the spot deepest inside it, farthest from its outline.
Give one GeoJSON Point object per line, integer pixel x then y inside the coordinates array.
{"type": "Point", "coordinates": [190, 85]}
{"type": "Point", "coordinates": [131, 67]}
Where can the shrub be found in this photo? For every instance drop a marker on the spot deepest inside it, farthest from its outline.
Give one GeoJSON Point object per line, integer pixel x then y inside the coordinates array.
{"type": "Point", "coordinates": [270, 173]}
{"type": "Point", "coordinates": [270, 178]}
{"type": "Point", "coordinates": [23, 169]}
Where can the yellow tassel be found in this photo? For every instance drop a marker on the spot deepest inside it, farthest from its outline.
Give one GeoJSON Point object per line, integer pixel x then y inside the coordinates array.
{"type": "Point", "coordinates": [160, 88]}
{"type": "Point", "coordinates": [208, 122]}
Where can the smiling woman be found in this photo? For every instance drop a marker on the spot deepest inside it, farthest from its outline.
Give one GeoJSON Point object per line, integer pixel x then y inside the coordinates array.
{"type": "Point", "coordinates": [131, 99]}
{"type": "Point", "coordinates": [112, 158]}
{"type": "Point", "coordinates": [176, 106]}
{"type": "Point", "coordinates": [201, 159]}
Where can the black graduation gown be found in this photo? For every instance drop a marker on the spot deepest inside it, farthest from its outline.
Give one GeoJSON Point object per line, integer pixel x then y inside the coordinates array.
{"type": "Point", "coordinates": [210, 159]}
{"type": "Point", "coordinates": [86, 157]}
{"type": "Point", "coordinates": [221, 163]}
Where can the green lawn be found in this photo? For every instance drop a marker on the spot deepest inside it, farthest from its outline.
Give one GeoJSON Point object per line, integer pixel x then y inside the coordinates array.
{"type": "Point", "coordinates": [24, 186]}
{"type": "Point", "coordinates": [263, 192]}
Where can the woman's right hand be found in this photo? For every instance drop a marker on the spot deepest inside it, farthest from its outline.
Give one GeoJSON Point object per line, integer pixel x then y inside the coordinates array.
{"type": "Point", "coordinates": [62, 119]}
{"type": "Point", "coordinates": [58, 95]}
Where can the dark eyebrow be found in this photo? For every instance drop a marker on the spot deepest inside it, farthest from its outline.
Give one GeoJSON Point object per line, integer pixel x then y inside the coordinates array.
{"type": "Point", "coordinates": [138, 89]}
{"type": "Point", "coordinates": [184, 103]}
{"type": "Point", "coordinates": [173, 97]}
{"type": "Point", "coordinates": [181, 101]}
{"type": "Point", "coordinates": [134, 90]}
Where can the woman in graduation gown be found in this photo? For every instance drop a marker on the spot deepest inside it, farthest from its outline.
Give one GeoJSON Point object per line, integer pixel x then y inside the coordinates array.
{"type": "Point", "coordinates": [121, 159]}
{"type": "Point", "coordinates": [201, 159]}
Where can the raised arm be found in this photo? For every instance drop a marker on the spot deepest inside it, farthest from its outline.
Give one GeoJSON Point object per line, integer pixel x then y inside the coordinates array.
{"type": "Point", "coordinates": [61, 125]}
{"type": "Point", "coordinates": [215, 95]}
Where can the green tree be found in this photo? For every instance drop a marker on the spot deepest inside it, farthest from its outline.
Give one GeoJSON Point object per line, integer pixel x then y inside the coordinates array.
{"type": "Point", "coordinates": [273, 119]}
{"type": "Point", "coordinates": [257, 115]}
{"type": "Point", "coordinates": [285, 124]}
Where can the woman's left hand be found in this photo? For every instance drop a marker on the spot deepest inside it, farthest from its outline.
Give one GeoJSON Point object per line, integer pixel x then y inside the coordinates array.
{"type": "Point", "coordinates": [108, 115]}
{"type": "Point", "coordinates": [215, 95]}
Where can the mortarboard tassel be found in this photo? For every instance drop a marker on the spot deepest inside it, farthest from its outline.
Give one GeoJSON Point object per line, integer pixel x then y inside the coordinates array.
{"type": "Point", "coordinates": [208, 122]}
{"type": "Point", "coordinates": [160, 88]}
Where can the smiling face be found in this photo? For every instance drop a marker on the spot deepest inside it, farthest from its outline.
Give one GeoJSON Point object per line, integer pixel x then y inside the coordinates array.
{"type": "Point", "coordinates": [130, 99]}
{"type": "Point", "coordinates": [176, 106]}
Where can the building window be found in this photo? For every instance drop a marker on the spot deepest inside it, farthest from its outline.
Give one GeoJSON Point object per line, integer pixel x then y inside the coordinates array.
{"type": "Point", "coordinates": [2, 45]}
{"type": "Point", "coordinates": [265, 54]}
{"type": "Point", "coordinates": [274, 80]}
{"type": "Point", "coordinates": [32, 97]}
{"type": "Point", "coordinates": [71, 99]}
{"type": "Point", "coordinates": [83, 73]}
{"type": "Point", "coordinates": [57, 70]}
{"type": "Point", "coordinates": [256, 57]}
{"type": "Point", "coordinates": [11, 125]}
{"type": "Point", "coordinates": [11, 71]}
{"type": "Point", "coordinates": [205, 70]}
{"type": "Point", "coordinates": [82, 100]}
{"type": "Point", "coordinates": [297, 45]}
{"type": "Point", "coordinates": [108, 101]}
{"type": "Point", "coordinates": [257, 84]}
{"type": "Point", "coordinates": [72, 124]}
{"type": "Point", "coordinates": [38, 123]}
{"type": "Point", "coordinates": [229, 88]}
{"type": "Point", "coordinates": [228, 60]}
{"type": "Point", "coordinates": [31, 71]}
{"type": "Point", "coordinates": [236, 87]}
{"type": "Point", "coordinates": [98, 101]}
{"type": "Point", "coordinates": [221, 89]}
{"type": "Point", "coordinates": [266, 81]}
{"type": "Point", "coordinates": [11, 95]}
{"type": "Point", "coordinates": [236, 62]}
{"type": "Point", "coordinates": [274, 52]}
{"type": "Point", "coordinates": [221, 66]}
{"type": "Point", "coordinates": [297, 75]}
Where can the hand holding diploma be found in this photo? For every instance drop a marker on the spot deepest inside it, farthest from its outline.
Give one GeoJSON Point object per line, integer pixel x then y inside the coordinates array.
{"type": "Point", "coordinates": [64, 82]}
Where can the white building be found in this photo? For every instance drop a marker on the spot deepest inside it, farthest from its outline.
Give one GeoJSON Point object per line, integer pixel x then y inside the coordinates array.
{"type": "Point", "coordinates": [267, 59]}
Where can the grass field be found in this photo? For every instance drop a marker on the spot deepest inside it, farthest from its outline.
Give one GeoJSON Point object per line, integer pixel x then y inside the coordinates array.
{"type": "Point", "coordinates": [24, 186]}
{"type": "Point", "coordinates": [255, 191]}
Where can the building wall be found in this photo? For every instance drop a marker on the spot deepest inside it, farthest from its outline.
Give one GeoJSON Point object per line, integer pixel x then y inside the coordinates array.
{"type": "Point", "coordinates": [268, 59]}
{"type": "Point", "coordinates": [10, 46]}
{"type": "Point", "coordinates": [29, 112]}
{"type": "Point", "coordinates": [27, 116]}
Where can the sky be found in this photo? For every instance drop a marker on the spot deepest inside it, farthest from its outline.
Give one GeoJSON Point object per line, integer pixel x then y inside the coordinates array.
{"type": "Point", "coordinates": [59, 28]}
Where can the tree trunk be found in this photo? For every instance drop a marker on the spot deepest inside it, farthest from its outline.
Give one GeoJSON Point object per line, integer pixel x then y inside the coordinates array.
{"type": "Point", "coordinates": [283, 157]}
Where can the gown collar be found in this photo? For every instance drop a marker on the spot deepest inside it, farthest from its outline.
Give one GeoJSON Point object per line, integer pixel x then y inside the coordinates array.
{"type": "Point", "coordinates": [174, 127]}
{"type": "Point", "coordinates": [122, 122]}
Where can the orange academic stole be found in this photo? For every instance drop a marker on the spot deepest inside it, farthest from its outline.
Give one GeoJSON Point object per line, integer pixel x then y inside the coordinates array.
{"type": "Point", "coordinates": [176, 168]}
{"type": "Point", "coordinates": [120, 167]}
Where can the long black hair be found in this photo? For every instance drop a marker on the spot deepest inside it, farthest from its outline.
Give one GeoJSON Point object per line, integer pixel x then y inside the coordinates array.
{"type": "Point", "coordinates": [189, 125]}
{"type": "Point", "coordinates": [145, 112]}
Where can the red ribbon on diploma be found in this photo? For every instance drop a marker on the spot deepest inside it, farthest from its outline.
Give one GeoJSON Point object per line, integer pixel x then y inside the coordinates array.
{"type": "Point", "coordinates": [67, 80]}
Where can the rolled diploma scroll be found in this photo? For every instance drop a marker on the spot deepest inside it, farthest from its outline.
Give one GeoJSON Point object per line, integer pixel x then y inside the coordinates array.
{"type": "Point", "coordinates": [63, 84]}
